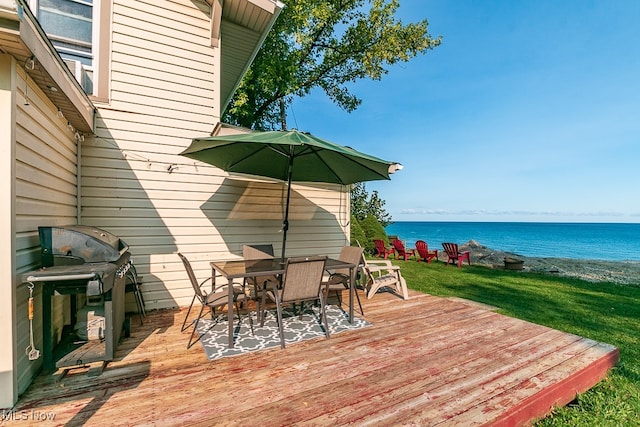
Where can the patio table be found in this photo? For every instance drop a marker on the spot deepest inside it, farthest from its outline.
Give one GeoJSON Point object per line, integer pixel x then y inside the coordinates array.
{"type": "Point", "coordinates": [242, 269]}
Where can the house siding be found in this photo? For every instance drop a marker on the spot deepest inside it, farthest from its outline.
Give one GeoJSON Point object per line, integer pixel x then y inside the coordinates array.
{"type": "Point", "coordinates": [128, 177]}
{"type": "Point", "coordinates": [45, 194]}
{"type": "Point", "coordinates": [164, 92]}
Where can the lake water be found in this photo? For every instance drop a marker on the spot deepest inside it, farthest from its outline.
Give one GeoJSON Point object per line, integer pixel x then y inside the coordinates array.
{"type": "Point", "coordinates": [603, 241]}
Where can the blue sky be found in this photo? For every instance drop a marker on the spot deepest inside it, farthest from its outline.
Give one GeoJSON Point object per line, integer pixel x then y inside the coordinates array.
{"type": "Point", "coordinates": [528, 111]}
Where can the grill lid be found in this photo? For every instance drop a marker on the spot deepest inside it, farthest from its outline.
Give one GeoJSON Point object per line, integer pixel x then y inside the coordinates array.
{"type": "Point", "coordinates": [77, 244]}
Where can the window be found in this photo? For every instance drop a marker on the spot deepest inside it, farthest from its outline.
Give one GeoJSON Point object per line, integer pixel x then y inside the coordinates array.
{"type": "Point", "coordinates": [69, 25]}
{"type": "Point", "coordinates": [73, 26]}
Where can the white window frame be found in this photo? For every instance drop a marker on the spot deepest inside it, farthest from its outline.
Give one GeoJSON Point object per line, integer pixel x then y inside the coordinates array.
{"type": "Point", "coordinates": [101, 11]}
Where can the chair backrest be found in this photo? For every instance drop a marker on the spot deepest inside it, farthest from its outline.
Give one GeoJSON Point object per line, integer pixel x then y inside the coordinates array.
{"type": "Point", "coordinates": [422, 248]}
{"type": "Point", "coordinates": [364, 262]}
{"type": "Point", "coordinates": [451, 249]}
{"type": "Point", "coordinates": [366, 268]}
{"type": "Point", "coordinates": [257, 251]}
{"type": "Point", "coordinates": [399, 246]}
{"type": "Point", "coordinates": [192, 277]}
{"type": "Point", "coordinates": [352, 255]}
{"type": "Point", "coordinates": [303, 278]}
{"type": "Point", "coordinates": [379, 244]}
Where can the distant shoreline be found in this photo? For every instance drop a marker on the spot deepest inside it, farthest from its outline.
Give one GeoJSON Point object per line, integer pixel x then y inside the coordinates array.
{"type": "Point", "coordinates": [521, 222]}
{"type": "Point", "coordinates": [619, 272]}
{"type": "Point", "coordinates": [610, 242]}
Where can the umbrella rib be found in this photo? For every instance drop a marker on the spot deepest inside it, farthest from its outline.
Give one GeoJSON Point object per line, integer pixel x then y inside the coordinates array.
{"type": "Point", "coordinates": [282, 152]}
{"type": "Point", "coordinates": [315, 152]}
{"type": "Point", "coordinates": [242, 159]}
{"type": "Point", "coordinates": [254, 153]}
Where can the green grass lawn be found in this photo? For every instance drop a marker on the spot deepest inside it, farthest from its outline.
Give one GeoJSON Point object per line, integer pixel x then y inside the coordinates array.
{"type": "Point", "coordinates": [604, 312]}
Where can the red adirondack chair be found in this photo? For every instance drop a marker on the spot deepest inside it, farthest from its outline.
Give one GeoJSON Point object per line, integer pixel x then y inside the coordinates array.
{"type": "Point", "coordinates": [401, 251]}
{"type": "Point", "coordinates": [453, 254]}
{"type": "Point", "coordinates": [424, 253]}
{"type": "Point", "coordinates": [381, 249]}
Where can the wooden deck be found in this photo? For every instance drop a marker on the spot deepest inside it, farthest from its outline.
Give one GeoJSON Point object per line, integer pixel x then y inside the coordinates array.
{"type": "Point", "coordinates": [426, 361]}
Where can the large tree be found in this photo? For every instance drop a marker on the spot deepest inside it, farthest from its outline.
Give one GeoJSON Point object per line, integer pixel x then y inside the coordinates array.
{"type": "Point", "coordinates": [324, 44]}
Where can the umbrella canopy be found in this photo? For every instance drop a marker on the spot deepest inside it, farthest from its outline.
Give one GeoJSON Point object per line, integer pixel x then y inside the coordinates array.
{"type": "Point", "coordinates": [289, 156]}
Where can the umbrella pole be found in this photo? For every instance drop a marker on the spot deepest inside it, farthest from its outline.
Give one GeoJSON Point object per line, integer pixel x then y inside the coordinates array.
{"type": "Point", "coordinates": [285, 223]}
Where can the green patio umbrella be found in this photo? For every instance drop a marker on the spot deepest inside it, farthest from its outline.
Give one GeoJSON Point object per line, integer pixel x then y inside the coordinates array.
{"type": "Point", "coordinates": [289, 156]}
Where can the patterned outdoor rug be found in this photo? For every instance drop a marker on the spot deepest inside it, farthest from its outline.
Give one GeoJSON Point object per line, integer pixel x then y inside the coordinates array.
{"type": "Point", "coordinates": [215, 339]}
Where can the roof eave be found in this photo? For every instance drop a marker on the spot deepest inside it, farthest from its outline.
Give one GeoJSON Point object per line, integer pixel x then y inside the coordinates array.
{"type": "Point", "coordinates": [273, 8]}
{"type": "Point", "coordinates": [49, 72]}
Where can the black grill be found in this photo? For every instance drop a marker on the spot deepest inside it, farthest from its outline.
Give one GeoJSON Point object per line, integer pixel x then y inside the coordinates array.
{"type": "Point", "coordinates": [93, 266]}
{"type": "Point", "coordinates": [79, 244]}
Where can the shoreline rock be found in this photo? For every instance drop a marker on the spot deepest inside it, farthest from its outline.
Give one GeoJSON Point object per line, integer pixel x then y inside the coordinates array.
{"type": "Point", "coordinates": [619, 272]}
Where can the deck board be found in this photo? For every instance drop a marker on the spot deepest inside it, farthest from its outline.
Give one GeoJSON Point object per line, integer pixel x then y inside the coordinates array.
{"type": "Point", "coordinates": [424, 361]}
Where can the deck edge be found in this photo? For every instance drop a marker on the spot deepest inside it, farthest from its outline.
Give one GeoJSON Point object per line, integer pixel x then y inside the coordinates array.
{"type": "Point", "coordinates": [560, 394]}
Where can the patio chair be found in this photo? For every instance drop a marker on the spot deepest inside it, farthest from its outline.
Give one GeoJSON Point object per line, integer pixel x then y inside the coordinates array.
{"type": "Point", "coordinates": [262, 251]}
{"type": "Point", "coordinates": [424, 253]}
{"type": "Point", "coordinates": [453, 254]}
{"type": "Point", "coordinates": [339, 280]}
{"type": "Point", "coordinates": [301, 282]}
{"type": "Point", "coordinates": [218, 297]}
{"type": "Point", "coordinates": [382, 251]}
{"type": "Point", "coordinates": [252, 252]}
{"type": "Point", "coordinates": [401, 251]}
{"type": "Point", "coordinates": [382, 274]}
